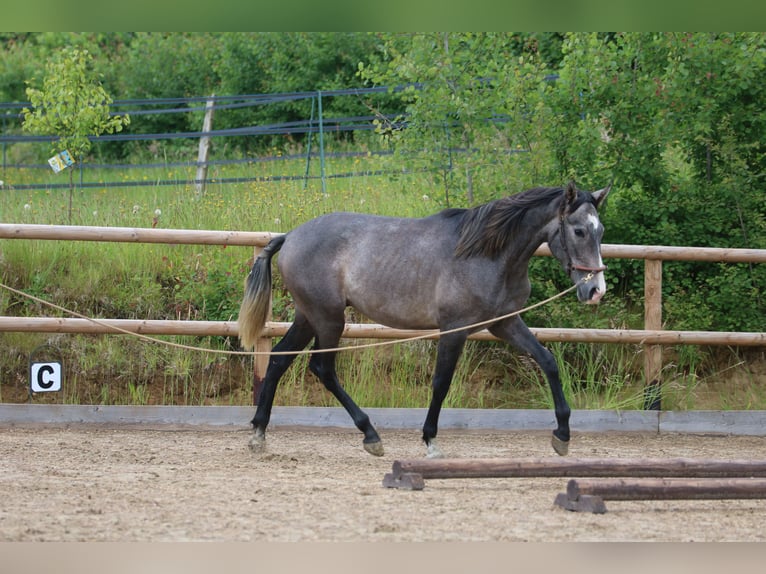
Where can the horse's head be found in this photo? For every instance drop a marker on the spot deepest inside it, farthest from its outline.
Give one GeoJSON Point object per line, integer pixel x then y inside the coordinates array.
{"type": "Point", "coordinates": [576, 241]}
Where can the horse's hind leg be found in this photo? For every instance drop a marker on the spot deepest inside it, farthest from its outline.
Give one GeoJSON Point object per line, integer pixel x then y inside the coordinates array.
{"type": "Point", "coordinates": [297, 337]}
{"type": "Point", "coordinates": [323, 366]}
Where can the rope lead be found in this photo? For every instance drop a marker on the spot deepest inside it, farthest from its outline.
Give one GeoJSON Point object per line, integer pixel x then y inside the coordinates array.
{"type": "Point", "coordinates": [304, 351]}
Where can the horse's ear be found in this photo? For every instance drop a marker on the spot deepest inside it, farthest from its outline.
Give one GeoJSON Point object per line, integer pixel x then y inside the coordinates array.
{"type": "Point", "coordinates": [600, 195]}
{"type": "Point", "coordinates": [571, 192]}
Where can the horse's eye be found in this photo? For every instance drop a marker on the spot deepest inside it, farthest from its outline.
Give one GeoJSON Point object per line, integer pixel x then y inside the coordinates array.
{"type": "Point", "coordinates": [579, 232]}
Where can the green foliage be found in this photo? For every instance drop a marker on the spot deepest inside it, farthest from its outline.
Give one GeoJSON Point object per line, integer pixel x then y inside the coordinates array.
{"type": "Point", "coordinates": [208, 286]}
{"type": "Point", "coordinates": [15, 68]}
{"type": "Point", "coordinates": [175, 65]}
{"type": "Point", "coordinates": [168, 65]}
{"type": "Point", "coordinates": [72, 105]}
{"type": "Point", "coordinates": [682, 132]}
{"type": "Point", "coordinates": [290, 62]}
{"type": "Point", "coordinates": [468, 92]}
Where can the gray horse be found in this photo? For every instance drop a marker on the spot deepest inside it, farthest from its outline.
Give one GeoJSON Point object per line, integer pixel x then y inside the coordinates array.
{"type": "Point", "coordinates": [449, 270]}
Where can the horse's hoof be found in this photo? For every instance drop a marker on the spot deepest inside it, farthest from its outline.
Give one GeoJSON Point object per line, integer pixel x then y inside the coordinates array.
{"type": "Point", "coordinates": [432, 451]}
{"type": "Point", "coordinates": [374, 448]}
{"type": "Point", "coordinates": [258, 442]}
{"type": "Point", "coordinates": [560, 446]}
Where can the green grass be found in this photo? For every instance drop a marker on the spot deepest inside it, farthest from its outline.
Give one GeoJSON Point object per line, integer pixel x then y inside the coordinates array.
{"type": "Point", "coordinates": [205, 282]}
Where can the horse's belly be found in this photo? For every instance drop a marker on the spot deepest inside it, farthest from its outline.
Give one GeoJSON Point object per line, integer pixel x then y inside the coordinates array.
{"type": "Point", "coordinates": [396, 307]}
{"type": "Point", "coordinates": [400, 321]}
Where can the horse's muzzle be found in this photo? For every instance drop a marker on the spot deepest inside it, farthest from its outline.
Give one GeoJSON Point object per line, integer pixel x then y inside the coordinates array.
{"type": "Point", "coordinates": [592, 288]}
{"type": "Point", "coordinates": [595, 296]}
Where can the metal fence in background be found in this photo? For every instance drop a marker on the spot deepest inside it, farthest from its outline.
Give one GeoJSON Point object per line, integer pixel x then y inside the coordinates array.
{"type": "Point", "coordinates": [315, 127]}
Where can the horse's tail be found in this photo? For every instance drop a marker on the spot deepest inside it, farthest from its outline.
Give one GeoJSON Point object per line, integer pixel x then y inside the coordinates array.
{"type": "Point", "coordinates": [257, 300]}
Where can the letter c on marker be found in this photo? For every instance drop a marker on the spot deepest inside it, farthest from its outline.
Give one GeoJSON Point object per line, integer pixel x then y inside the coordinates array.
{"type": "Point", "coordinates": [45, 379]}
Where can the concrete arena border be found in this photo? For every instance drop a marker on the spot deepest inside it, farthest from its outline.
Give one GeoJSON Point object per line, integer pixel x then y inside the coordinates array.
{"type": "Point", "coordinates": [238, 417]}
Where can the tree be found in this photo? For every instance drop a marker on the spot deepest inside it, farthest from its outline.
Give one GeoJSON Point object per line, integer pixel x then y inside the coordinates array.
{"type": "Point", "coordinates": [472, 102]}
{"type": "Point", "coordinates": [287, 62]}
{"type": "Point", "coordinates": [677, 120]}
{"type": "Point", "coordinates": [72, 106]}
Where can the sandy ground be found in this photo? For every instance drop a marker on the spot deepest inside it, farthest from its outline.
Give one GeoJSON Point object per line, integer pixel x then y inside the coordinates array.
{"type": "Point", "coordinates": [92, 483]}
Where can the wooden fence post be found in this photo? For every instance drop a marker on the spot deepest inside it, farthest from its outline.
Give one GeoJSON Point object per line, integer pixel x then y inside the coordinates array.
{"type": "Point", "coordinates": [652, 321]}
{"type": "Point", "coordinates": [262, 345]}
{"type": "Point", "coordinates": [204, 147]}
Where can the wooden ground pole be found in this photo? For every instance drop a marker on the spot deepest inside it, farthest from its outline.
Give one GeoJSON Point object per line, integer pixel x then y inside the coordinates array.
{"type": "Point", "coordinates": [447, 468]}
{"type": "Point", "coordinates": [589, 495]}
{"type": "Point", "coordinates": [611, 479]}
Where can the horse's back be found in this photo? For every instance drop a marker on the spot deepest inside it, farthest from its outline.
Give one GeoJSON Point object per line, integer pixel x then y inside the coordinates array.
{"type": "Point", "coordinates": [358, 237]}
{"type": "Point", "coordinates": [386, 267]}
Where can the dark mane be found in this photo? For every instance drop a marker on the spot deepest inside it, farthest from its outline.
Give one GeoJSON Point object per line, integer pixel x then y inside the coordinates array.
{"type": "Point", "coordinates": [487, 230]}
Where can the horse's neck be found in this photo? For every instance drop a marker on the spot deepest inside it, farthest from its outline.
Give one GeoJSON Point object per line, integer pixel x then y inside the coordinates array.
{"type": "Point", "coordinates": [540, 223]}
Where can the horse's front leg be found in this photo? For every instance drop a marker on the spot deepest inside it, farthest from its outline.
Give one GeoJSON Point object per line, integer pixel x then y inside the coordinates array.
{"type": "Point", "coordinates": [515, 331]}
{"type": "Point", "coordinates": [450, 347]}
{"type": "Point", "coordinates": [323, 366]}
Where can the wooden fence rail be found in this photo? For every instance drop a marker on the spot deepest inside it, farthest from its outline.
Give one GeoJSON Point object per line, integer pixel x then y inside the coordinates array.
{"type": "Point", "coordinates": [652, 336]}
{"type": "Point", "coordinates": [372, 331]}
